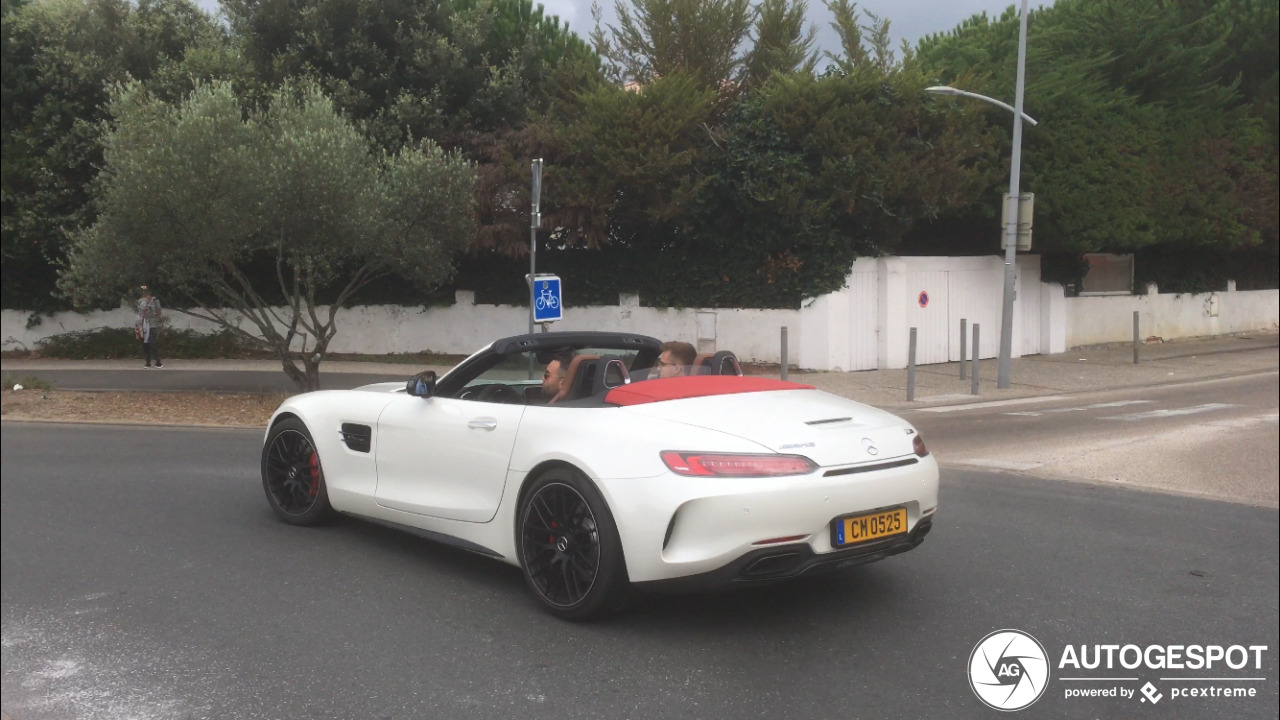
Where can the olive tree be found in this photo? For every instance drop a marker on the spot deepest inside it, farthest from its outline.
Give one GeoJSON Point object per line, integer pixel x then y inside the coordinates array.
{"type": "Point", "coordinates": [266, 221]}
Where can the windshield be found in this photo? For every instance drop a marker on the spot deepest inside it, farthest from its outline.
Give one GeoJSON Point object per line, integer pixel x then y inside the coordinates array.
{"type": "Point", "coordinates": [550, 377]}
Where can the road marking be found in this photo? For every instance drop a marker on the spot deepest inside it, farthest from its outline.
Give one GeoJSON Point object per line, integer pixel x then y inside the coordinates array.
{"type": "Point", "coordinates": [1118, 403]}
{"type": "Point", "coordinates": [1246, 422]}
{"type": "Point", "coordinates": [994, 403]}
{"type": "Point", "coordinates": [1155, 414]}
{"type": "Point", "coordinates": [941, 398]}
{"type": "Point", "coordinates": [1001, 464]}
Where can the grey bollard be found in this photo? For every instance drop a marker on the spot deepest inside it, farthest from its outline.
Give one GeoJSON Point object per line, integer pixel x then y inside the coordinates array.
{"type": "Point", "coordinates": [964, 360]}
{"type": "Point", "coordinates": [1137, 338]}
{"type": "Point", "coordinates": [911, 367]}
{"type": "Point", "coordinates": [976, 361]}
{"type": "Point", "coordinates": [784, 352]}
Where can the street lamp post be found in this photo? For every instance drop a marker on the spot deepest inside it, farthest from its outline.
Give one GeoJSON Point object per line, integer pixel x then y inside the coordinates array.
{"type": "Point", "coordinates": [1011, 224]}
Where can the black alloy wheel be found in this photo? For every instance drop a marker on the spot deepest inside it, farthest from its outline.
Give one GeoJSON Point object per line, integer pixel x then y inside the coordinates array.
{"type": "Point", "coordinates": [292, 476]}
{"type": "Point", "coordinates": [569, 547]}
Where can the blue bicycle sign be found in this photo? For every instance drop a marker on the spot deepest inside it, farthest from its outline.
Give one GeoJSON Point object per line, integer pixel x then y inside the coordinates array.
{"type": "Point", "coordinates": [547, 301]}
{"type": "Point", "coordinates": [547, 305]}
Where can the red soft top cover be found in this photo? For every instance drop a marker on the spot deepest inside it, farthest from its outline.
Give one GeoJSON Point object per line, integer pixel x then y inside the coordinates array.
{"type": "Point", "coordinates": [678, 388]}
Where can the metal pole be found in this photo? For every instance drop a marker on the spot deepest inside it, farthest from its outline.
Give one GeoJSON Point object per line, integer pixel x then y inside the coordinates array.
{"type": "Point", "coordinates": [784, 352]}
{"type": "Point", "coordinates": [535, 219]}
{"type": "Point", "coordinates": [1137, 338]}
{"type": "Point", "coordinates": [911, 367]}
{"type": "Point", "coordinates": [1011, 227]}
{"type": "Point", "coordinates": [964, 360]}
{"type": "Point", "coordinates": [977, 359]}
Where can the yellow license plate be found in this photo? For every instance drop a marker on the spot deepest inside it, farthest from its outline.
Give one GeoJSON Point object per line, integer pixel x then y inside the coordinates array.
{"type": "Point", "coordinates": [872, 526]}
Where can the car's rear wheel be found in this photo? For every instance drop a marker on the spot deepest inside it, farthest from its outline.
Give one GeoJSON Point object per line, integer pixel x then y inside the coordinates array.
{"type": "Point", "coordinates": [292, 476]}
{"type": "Point", "coordinates": [569, 547]}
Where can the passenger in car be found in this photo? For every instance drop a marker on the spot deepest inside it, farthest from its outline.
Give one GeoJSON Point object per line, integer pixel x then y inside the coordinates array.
{"type": "Point", "coordinates": [556, 374]}
{"type": "Point", "coordinates": [676, 359]}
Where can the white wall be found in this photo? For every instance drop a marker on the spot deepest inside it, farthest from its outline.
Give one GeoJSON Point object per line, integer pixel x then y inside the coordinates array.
{"type": "Point", "coordinates": [465, 327]}
{"type": "Point", "coordinates": [863, 326]}
{"type": "Point", "coordinates": [1109, 318]}
{"type": "Point", "coordinates": [867, 324]}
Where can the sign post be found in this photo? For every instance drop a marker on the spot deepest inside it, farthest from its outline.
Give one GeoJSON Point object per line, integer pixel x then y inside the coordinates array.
{"type": "Point", "coordinates": [535, 219]}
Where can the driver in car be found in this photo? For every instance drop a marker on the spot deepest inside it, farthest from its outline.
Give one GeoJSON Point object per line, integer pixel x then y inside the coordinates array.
{"type": "Point", "coordinates": [556, 375]}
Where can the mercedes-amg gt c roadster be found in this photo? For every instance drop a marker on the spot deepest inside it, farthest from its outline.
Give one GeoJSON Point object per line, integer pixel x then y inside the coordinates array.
{"type": "Point", "coordinates": [609, 480]}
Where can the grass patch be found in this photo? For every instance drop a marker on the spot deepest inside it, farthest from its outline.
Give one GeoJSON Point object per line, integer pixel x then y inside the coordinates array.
{"type": "Point", "coordinates": [120, 343]}
{"type": "Point", "coordinates": [28, 382]}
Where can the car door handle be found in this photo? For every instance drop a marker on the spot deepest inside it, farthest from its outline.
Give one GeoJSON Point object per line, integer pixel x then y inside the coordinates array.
{"type": "Point", "coordinates": [483, 424]}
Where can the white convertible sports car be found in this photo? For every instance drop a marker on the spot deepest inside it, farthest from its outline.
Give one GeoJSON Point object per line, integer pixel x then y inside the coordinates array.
{"type": "Point", "coordinates": [702, 480]}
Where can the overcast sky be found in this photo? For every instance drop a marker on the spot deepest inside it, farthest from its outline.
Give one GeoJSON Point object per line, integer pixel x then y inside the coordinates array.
{"type": "Point", "coordinates": [909, 20]}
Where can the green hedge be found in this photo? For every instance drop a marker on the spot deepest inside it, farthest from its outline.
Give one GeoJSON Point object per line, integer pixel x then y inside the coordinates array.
{"type": "Point", "coordinates": [118, 343]}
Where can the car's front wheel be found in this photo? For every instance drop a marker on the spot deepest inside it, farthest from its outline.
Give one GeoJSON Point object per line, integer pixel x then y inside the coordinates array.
{"type": "Point", "coordinates": [569, 547]}
{"type": "Point", "coordinates": [292, 476]}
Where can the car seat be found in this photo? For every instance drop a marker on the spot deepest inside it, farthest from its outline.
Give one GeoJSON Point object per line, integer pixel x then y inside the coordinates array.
{"type": "Point", "coordinates": [725, 363]}
{"type": "Point", "coordinates": [702, 364]}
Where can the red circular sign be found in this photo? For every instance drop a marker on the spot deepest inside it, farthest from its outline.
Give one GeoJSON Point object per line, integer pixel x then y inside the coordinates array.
{"type": "Point", "coordinates": [924, 298]}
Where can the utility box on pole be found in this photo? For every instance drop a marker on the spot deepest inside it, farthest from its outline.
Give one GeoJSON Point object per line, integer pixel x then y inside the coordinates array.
{"type": "Point", "coordinates": [1026, 208]}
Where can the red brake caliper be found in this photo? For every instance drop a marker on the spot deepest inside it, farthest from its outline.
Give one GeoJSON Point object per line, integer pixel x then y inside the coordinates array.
{"type": "Point", "coordinates": [315, 475]}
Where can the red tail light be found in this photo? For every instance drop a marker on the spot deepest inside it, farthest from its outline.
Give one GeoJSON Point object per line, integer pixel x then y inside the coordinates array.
{"type": "Point", "coordinates": [736, 465]}
{"type": "Point", "coordinates": [918, 445]}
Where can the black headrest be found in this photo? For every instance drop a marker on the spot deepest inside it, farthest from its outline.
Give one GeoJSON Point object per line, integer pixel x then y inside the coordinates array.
{"type": "Point", "coordinates": [584, 378]}
{"type": "Point", "coordinates": [725, 363]}
{"type": "Point", "coordinates": [611, 373]}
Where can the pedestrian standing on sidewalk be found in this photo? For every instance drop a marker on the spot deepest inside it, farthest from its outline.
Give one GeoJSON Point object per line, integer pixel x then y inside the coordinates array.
{"type": "Point", "coordinates": [147, 327]}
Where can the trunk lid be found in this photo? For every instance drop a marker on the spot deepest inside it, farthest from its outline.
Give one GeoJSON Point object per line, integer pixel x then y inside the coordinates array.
{"type": "Point", "coordinates": [825, 428]}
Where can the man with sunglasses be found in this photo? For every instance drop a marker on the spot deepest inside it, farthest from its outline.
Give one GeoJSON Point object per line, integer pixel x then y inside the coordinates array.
{"type": "Point", "coordinates": [676, 359]}
{"type": "Point", "coordinates": [556, 374]}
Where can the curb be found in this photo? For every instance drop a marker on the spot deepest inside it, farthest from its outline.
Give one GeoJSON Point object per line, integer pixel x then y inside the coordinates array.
{"type": "Point", "coordinates": [130, 423]}
{"type": "Point", "coordinates": [904, 406]}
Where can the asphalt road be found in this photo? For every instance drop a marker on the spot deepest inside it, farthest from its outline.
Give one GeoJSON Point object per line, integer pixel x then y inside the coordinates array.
{"type": "Point", "coordinates": [144, 577]}
{"type": "Point", "coordinates": [1215, 438]}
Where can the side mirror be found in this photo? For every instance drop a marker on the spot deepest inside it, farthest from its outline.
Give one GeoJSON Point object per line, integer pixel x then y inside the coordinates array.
{"type": "Point", "coordinates": [421, 385]}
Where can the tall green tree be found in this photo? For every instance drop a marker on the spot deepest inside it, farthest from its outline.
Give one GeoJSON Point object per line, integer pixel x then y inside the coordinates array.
{"type": "Point", "coordinates": [467, 74]}
{"type": "Point", "coordinates": [700, 39]}
{"type": "Point", "coordinates": [812, 173]}
{"type": "Point", "coordinates": [412, 68]}
{"type": "Point", "coordinates": [1152, 121]}
{"type": "Point", "coordinates": [59, 57]}
{"type": "Point", "coordinates": [864, 38]}
{"type": "Point", "coordinates": [719, 44]}
{"type": "Point", "coordinates": [781, 42]}
{"type": "Point", "coordinates": [627, 159]}
{"type": "Point", "coordinates": [196, 198]}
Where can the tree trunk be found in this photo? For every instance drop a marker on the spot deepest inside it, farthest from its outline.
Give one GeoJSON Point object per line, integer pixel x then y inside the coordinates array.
{"type": "Point", "coordinates": [311, 368]}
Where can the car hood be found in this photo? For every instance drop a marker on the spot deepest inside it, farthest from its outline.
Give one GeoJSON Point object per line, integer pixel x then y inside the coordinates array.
{"type": "Point", "coordinates": [828, 429]}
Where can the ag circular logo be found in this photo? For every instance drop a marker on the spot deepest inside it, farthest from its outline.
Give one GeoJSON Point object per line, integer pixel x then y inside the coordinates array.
{"type": "Point", "coordinates": [1008, 670]}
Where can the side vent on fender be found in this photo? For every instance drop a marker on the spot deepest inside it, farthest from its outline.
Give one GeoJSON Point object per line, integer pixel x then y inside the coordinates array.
{"type": "Point", "coordinates": [356, 437]}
